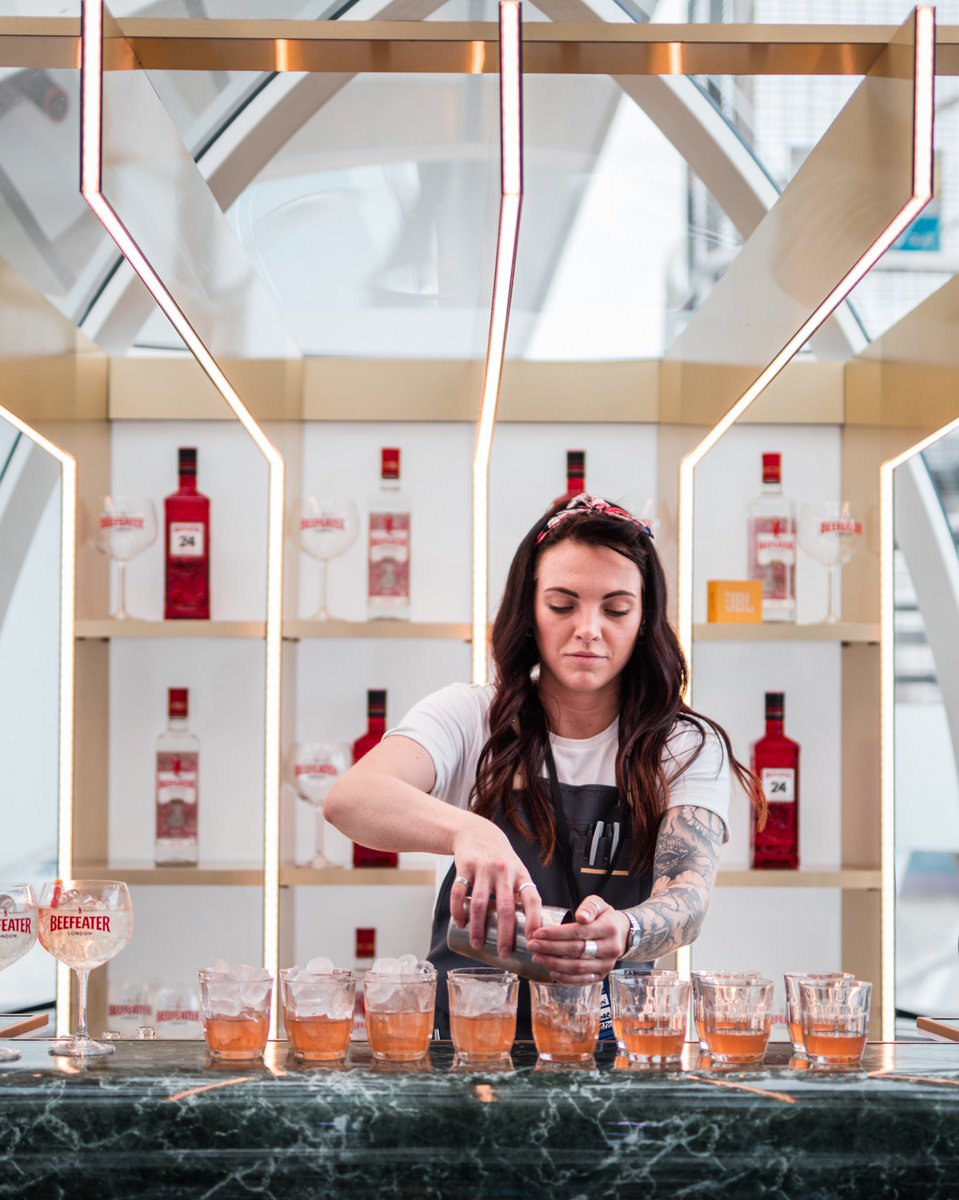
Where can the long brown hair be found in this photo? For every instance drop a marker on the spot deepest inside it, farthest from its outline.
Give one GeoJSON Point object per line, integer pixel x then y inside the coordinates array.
{"type": "Point", "coordinates": [651, 703]}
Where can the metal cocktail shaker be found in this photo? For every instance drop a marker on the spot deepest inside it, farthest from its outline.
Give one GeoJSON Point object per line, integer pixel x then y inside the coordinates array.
{"type": "Point", "coordinates": [520, 962]}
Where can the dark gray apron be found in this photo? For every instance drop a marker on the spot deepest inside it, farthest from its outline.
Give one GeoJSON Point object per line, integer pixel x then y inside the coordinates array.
{"type": "Point", "coordinates": [594, 830]}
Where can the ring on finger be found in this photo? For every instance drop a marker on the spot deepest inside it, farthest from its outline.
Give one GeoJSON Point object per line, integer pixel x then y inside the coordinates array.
{"type": "Point", "coordinates": [528, 883]}
{"type": "Point", "coordinates": [463, 880]}
{"type": "Point", "coordinates": [590, 949]}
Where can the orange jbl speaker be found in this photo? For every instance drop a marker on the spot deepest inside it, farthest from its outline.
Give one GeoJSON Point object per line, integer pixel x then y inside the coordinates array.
{"type": "Point", "coordinates": [735, 601]}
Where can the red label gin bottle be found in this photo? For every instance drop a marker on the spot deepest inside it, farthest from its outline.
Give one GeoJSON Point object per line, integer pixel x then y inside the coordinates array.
{"type": "Point", "coordinates": [772, 543]}
{"type": "Point", "coordinates": [364, 856]}
{"type": "Point", "coordinates": [187, 526]}
{"type": "Point", "coordinates": [389, 545]}
{"type": "Point", "coordinates": [177, 786]}
{"type": "Point", "coordinates": [775, 759]}
{"type": "Point", "coordinates": [575, 476]}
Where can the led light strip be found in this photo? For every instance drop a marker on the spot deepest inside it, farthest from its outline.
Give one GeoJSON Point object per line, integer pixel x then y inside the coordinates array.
{"type": "Point", "coordinates": [91, 180]}
{"type": "Point", "coordinates": [68, 556]}
{"type": "Point", "coordinates": [511, 202]}
{"type": "Point", "coordinates": [922, 190]}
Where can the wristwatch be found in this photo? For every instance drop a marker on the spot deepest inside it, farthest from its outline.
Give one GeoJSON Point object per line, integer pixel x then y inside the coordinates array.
{"type": "Point", "coordinates": [635, 930]}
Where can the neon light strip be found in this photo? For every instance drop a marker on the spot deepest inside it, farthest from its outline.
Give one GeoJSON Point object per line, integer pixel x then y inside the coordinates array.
{"type": "Point", "coordinates": [511, 201]}
{"type": "Point", "coordinates": [923, 110]}
{"type": "Point", "coordinates": [68, 564]}
{"type": "Point", "coordinates": [91, 174]}
{"type": "Point", "coordinates": [922, 181]}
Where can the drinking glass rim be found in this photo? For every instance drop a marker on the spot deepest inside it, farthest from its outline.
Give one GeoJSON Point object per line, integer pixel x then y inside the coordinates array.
{"type": "Point", "coordinates": [840, 984]}
{"type": "Point", "coordinates": [339, 973]}
{"type": "Point", "coordinates": [743, 983]}
{"type": "Point", "coordinates": [481, 973]}
{"type": "Point", "coordinates": [397, 977]}
{"type": "Point", "coordinates": [206, 974]}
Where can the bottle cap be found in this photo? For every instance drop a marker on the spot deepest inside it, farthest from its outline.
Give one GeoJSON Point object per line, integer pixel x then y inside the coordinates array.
{"type": "Point", "coordinates": [575, 471]}
{"type": "Point", "coordinates": [772, 468]}
{"type": "Point", "coordinates": [187, 460]}
{"type": "Point", "coordinates": [376, 703]}
{"type": "Point", "coordinates": [366, 943]}
{"type": "Point", "coordinates": [390, 463]}
{"type": "Point", "coordinates": [178, 699]}
{"type": "Point", "coordinates": [775, 705]}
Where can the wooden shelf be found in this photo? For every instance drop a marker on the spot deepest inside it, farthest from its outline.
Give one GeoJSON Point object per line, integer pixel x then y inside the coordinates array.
{"type": "Point", "coordinates": [361, 877]}
{"type": "Point", "coordinates": [459, 631]}
{"type": "Point", "coordinates": [847, 878]}
{"type": "Point", "coordinates": [109, 629]}
{"type": "Point", "coordinates": [146, 874]}
{"type": "Point", "coordinates": [251, 875]}
{"type": "Point", "coordinates": [842, 631]}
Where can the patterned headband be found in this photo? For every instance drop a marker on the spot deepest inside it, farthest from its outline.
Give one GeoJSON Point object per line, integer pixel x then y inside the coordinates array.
{"type": "Point", "coordinates": [584, 503]}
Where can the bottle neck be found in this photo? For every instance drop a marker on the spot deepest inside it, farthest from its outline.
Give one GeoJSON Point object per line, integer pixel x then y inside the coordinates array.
{"type": "Point", "coordinates": [376, 724]}
{"type": "Point", "coordinates": [774, 725]}
{"type": "Point", "coordinates": [188, 484]}
{"type": "Point", "coordinates": [177, 725]}
{"type": "Point", "coordinates": [772, 487]}
{"type": "Point", "coordinates": [389, 483]}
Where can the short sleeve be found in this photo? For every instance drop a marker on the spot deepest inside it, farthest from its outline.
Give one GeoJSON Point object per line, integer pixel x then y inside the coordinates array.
{"type": "Point", "coordinates": [451, 726]}
{"type": "Point", "coordinates": [707, 780]}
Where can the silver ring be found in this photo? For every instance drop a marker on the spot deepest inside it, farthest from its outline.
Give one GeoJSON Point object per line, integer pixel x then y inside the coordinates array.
{"type": "Point", "coordinates": [528, 883]}
{"type": "Point", "coordinates": [463, 880]}
{"type": "Point", "coordinates": [590, 949]}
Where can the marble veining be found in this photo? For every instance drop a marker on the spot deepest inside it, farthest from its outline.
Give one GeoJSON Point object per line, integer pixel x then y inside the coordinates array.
{"type": "Point", "coordinates": [159, 1120]}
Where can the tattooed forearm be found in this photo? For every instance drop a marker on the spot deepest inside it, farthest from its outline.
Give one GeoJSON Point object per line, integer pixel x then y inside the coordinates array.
{"type": "Point", "coordinates": [684, 870]}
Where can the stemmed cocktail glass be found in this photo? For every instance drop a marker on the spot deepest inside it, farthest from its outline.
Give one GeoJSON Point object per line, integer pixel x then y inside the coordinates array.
{"type": "Point", "coordinates": [324, 527]}
{"type": "Point", "coordinates": [831, 533]}
{"type": "Point", "coordinates": [84, 923]}
{"type": "Point", "coordinates": [126, 526]}
{"type": "Point", "coordinates": [18, 932]}
{"type": "Point", "coordinates": [312, 769]}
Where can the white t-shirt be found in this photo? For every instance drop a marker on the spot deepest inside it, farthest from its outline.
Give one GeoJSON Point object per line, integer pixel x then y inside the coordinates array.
{"type": "Point", "coordinates": [452, 726]}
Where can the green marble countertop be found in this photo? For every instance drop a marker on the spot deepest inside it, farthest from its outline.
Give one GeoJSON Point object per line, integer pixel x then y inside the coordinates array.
{"type": "Point", "coordinates": [158, 1119]}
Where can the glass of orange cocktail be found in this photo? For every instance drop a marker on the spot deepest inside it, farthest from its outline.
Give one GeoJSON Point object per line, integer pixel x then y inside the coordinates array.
{"type": "Point", "coordinates": [737, 1019]}
{"type": "Point", "coordinates": [650, 1014]}
{"type": "Point", "coordinates": [835, 1020]}
{"type": "Point", "coordinates": [792, 981]}
{"type": "Point", "coordinates": [700, 977]}
{"type": "Point", "coordinates": [482, 1012]}
{"type": "Point", "coordinates": [318, 1012]}
{"type": "Point", "coordinates": [235, 1007]}
{"type": "Point", "coordinates": [399, 1010]}
{"type": "Point", "coordinates": [628, 972]}
{"type": "Point", "coordinates": [565, 1020]}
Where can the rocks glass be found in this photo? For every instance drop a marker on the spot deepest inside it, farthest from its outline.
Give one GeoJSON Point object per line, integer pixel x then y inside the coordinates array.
{"type": "Point", "coordinates": [835, 1020]}
{"type": "Point", "coordinates": [482, 1012]}
{"type": "Point", "coordinates": [235, 1006]}
{"type": "Point", "coordinates": [737, 1019]}
{"type": "Point", "coordinates": [318, 1012]}
{"type": "Point", "coordinates": [701, 977]}
{"type": "Point", "coordinates": [399, 1011]}
{"type": "Point", "coordinates": [565, 1020]}
{"type": "Point", "coordinates": [649, 1013]}
{"type": "Point", "coordinates": [792, 981]}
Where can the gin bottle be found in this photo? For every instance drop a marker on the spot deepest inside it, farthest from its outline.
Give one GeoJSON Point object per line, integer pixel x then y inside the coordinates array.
{"type": "Point", "coordinates": [177, 786]}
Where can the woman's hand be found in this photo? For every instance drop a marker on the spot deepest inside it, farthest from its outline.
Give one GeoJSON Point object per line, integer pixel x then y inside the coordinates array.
{"type": "Point", "coordinates": [586, 949]}
{"type": "Point", "coordinates": [486, 862]}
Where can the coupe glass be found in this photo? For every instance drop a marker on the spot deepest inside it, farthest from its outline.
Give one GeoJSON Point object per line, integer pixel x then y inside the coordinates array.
{"type": "Point", "coordinates": [84, 923]}
{"type": "Point", "coordinates": [18, 932]}
{"type": "Point", "coordinates": [324, 527]}
{"type": "Point", "coordinates": [831, 533]}
{"type": "Point", "coordinates": [126, 526]}
{"type": "Point", "coordinates": [313, 768]}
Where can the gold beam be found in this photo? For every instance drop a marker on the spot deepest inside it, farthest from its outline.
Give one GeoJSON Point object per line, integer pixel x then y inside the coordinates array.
{"type": "Point", "coordinates": [459, 47]}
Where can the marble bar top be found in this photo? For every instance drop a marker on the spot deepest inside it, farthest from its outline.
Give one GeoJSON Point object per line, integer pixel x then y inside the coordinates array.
{"type": "Point", "coordinates": [159, 1119]}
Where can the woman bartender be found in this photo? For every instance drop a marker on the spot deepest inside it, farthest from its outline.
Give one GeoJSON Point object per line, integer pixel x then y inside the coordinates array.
{"type": "Point", "coordinates": [579, 778]}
